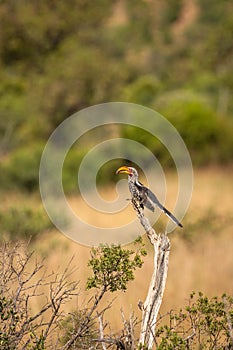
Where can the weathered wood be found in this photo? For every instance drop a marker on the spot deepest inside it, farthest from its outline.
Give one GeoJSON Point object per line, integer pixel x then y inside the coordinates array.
{"type": "Point", "coordinates": [151, 306]}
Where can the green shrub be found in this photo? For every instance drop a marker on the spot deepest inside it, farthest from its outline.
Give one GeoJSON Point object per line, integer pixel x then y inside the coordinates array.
{"type": "Point", "coordinates": [142, 91]}
{"type": "Point", "coordinates": [21, 170]}
{"type": "Point", "coordinates": [71, 324]}
{"type": "Point", "coordinates": [150, 142]}
{"type": "Point", "coordinates": [105, 174]}
{"type": "Point", "coordinates": [113, 267]}
{"type": "Point", "coordinates": [23, 223]}
{"type": "Point", "coordinates": [206, 323]}
{"type": "Point", "coordinates": [70, 169]}
{"type": "Point", "coordinates": [208, 136]}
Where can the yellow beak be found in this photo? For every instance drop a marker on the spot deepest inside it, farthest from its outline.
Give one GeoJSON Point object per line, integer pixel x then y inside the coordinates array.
{"type": "Point", "coordinates": [123, 170]}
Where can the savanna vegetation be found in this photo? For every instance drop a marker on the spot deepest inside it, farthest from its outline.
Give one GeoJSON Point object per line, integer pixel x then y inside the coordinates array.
{"type": "Point", "coordinates": [57, 58]}
{"type": "Point", "coordinates": [174, 57]}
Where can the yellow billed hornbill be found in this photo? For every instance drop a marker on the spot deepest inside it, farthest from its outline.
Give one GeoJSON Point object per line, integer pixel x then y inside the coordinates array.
{"type": "Point", "coordinates": [142, 194]}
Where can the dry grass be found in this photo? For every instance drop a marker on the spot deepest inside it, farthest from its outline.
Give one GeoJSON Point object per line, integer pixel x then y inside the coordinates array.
{"type": "Point", "coordinates": [203, 261]}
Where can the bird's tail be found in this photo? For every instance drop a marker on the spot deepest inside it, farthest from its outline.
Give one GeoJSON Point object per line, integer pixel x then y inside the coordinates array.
{"type": "Point", "coordinates": [155, 201]}
{"type": "Point", "coordinates": [170, 215]}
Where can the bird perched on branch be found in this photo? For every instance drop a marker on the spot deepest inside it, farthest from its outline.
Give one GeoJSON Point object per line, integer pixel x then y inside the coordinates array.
{"type": "Point", "coordinates": [142, 194]}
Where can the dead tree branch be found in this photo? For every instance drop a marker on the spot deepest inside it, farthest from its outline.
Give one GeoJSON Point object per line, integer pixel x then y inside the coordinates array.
{"type": "Point", "coordinates": [22, 281]}
{"type": "Point", "coordinates": [151, 306]}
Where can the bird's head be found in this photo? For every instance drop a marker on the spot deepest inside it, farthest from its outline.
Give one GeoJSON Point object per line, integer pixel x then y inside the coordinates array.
{"type": "Point", "coordinates": [127, 170]}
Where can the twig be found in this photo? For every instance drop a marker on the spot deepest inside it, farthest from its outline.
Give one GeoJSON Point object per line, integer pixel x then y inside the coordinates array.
{"type": "Point", "coordinates": [190, 337]}
{"type": "Point", "coordinates": [117, 342]}
{"type": "Point", "coordinates": [19, 286]}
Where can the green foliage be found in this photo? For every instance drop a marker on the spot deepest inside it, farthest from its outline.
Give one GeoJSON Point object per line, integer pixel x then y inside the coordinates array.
{"type": "Point", "coordinates": [113, 267]}
{"type": "Point", "coordinates": [107, 173]}
{"type": "Point", "coordinates": [8, 314]}
{"type": "Point", "coordinates": [71, 165]}
{"type": "Point", "coordinates": [216, 223]}
{"type": "Point", "coordinates": [171, 11]}
{"type": "Point", "coordinates": [72, 323]}
{"type": "Point", "coordinates": [21, 169]}
{"type": "Point", "coordinates": [13, 105]}
{"type": "Point", "coordinates": [57, 59]}
{"type": "Point", "coordinates": [23, 223]}
{"type": "Point", "coordinates": [140, 24]}
{"type": "Point", "coordinates": [148, 140]}
{"type": "Point", "coordinates": [70, 169]}
{"type": "Point", "coordinates": [39, 29]}
{"type": "Point", "coordinates": [216, 45]}
{"type": "Point", "coordinates": [207, 135]}
{"type": "Point", "coordinates": [142, 91]}
{"type": "Point", "coordinates": [37, 343]}
{"type": "Point", "coordinates": [205, 323]}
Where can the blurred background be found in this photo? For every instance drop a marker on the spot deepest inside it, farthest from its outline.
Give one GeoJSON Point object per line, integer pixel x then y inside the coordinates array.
{"type": "Point", "coordinates": [174, 56]}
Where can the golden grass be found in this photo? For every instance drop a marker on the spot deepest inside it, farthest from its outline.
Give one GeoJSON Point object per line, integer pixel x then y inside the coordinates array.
{"type": "Point", "coordinates": [203, 262]}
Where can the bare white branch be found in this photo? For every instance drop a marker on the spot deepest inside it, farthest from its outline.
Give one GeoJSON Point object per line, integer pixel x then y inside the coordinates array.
{"type": "Point", "coordinates": [150, 308]}
{"type": "Point", "coordinates": [101, 328]}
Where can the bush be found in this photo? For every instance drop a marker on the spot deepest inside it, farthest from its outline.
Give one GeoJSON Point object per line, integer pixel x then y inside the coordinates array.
{"type": "Point", "coordinates": [70, 325]}
{"type": "Point", "coordinates": [206, 323]}
{"type": "Point", "coordinates": [71, 165]}
{"type": "Point", "coordinates": [23, 223]}
{"type": "Point", "coordinates": [112, 269]}
{"type": "Point", "coordinates": [150, 142]}
{"type": "Point", "coordinates": [21, 170]}
{"type": "Point", "coordinates": [113, 266]}
{"type": "Point", "coordinates": [23, 282]}
{"type": "Point", "coordinates": [207, 135]}
{"type": "Point", "coordinates": [70, 169]}
{"type": "Point", "coordinates": [142, 91]}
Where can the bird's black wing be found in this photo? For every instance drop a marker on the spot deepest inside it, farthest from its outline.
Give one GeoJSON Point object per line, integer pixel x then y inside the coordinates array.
{"type": "Point", "coordinates": [150, 201]}
{"type": "Point", "coordinates": [142, 196]}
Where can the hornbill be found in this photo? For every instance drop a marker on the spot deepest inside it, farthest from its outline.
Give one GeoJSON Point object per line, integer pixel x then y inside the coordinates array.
{"type": "Point", "coordinates": [142, 194]}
